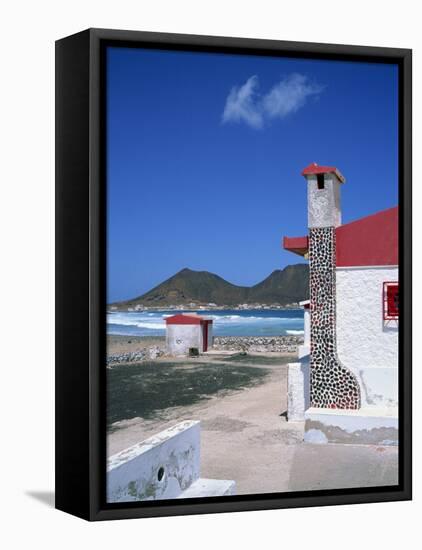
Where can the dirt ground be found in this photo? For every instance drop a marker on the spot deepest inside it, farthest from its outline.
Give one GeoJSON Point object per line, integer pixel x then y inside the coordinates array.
{"type": "Point", "coordinates": [245, 437]}
{"type": "Point", "coordinates": [126, 344]}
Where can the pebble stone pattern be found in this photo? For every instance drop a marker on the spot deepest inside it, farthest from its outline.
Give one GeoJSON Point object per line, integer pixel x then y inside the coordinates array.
{"type": "Point", "coordinates": [332, 385]}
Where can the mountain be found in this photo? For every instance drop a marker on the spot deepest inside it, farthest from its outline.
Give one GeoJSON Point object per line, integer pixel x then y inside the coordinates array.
{"type": "Point", "coordinates": [283, 286]}
{"type": "Point", "coordinates": [202, 287]}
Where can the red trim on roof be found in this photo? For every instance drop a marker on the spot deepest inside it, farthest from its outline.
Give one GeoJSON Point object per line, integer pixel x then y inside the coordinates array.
{"type": "Point", "coordinates": [372, 240]}
{"type": "Point", "coordinates": [314, 168]}
{"type": "Point", "coordinates": [297, 245]}
{"type": "Point", "coordinates": [187, 319]}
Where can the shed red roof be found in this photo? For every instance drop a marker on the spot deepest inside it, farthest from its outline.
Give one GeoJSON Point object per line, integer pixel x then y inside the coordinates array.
{"type": "Point", "coordinates": [187, 319]}
{"type": "Point", "coordinates": [314, 168]}
{"type": "Point", "coordinates": [373, 240]}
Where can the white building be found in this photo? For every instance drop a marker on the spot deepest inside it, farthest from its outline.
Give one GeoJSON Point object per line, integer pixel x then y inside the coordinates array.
{"type": "Point", "coordinates": [188, 330]}
{"type": "Point", "coordinates": [351, 371]}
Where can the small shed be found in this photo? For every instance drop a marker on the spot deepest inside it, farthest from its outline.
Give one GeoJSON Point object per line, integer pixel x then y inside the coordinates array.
{"type": "Point", "coordinates": [188, 330]}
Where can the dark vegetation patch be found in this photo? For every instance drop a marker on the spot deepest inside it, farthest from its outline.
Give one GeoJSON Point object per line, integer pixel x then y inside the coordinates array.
{"type": "Point", "coordinates": [258, 359]}
{"type": "Point", "coordinates": [145, 389]}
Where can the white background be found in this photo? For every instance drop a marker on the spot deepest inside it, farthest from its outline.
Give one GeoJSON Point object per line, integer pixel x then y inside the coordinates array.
{"type": "Point", "coordinates": [28, 32]}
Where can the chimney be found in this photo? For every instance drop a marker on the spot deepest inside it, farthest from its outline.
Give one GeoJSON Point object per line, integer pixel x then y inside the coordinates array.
{"type": "Point", "coordinates": [324, 209]}
{"type": "Point", "coordinates": [332, 385]}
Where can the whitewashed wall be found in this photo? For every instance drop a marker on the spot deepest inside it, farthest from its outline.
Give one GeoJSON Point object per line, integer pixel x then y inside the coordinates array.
{"type": "Point", "coordinates": [298, 389]}
{"type": "Point", "coordinates": [305, 348]}
{"type": "Point", "coordinates": [306, 327]}
{"type": "Point", "coordinates": [180, 338]}
{"type": "Point", "coordinates": [167, 465]}
{"type": "Point", "coordinates": [324, 209]}
{"type": "Point", "coordinates": [133, 474]}
{"type": "Point", "coordinates": [366, 344]}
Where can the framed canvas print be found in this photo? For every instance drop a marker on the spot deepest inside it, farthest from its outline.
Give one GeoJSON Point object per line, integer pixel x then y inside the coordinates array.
{"type": "Point", "coordinates": [233, 274]}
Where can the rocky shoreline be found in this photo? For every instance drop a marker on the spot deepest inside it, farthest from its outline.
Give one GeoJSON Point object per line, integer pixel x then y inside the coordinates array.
{"type": "Point", "coordinates": [263, 344]}
{"type": "Point", "coordinates": [268, 344]}
{"type": "Point", "coordinates": [144, 354]}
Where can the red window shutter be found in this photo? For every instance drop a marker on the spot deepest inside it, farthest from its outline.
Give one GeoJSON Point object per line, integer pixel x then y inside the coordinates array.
{"type": "Point", "coordinates": [391, 300]}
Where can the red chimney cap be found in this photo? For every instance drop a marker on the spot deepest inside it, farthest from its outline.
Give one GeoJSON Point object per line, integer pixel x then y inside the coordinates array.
{"type": "Point", "coordinates": [314, 168]}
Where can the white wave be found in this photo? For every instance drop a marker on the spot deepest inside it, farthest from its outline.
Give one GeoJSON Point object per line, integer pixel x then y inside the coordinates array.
{"type": "Point", "coordinates": [129, 320]}
{"type": "Point", "coordinates": [225, 322]}
{"type": "Point", "coordinates": [154, 326]}
{"type": "Point", "coordinates": [151, 326]}
{"type": "Point", "coordinates": [228, 317]}
{"type": "Point", "coordinates": [254, 319]}
{"type": "Point", "coordinates": [132, 318]}
{"type": "Point", "coordinates": [225, 317]}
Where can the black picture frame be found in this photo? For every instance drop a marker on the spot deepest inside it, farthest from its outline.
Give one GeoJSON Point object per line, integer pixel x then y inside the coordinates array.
{"type": "Point", "coordinates": [80, 273]}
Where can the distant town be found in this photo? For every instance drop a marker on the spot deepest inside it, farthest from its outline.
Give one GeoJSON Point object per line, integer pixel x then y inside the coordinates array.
{"type": "Point", "coordinates": [207, 307]}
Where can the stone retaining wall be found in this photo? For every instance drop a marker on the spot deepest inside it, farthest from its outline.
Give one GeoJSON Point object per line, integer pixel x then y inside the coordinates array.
{"type": "Point", "coordinates": [278, 344]}
{"type": "Point", "coordinates": [143, 354]}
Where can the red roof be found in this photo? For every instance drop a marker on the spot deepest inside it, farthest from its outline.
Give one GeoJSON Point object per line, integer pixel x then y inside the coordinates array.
{"type": "Point", "coordinates": [373, 240]}
{"type": "Point", "coordinates": [187, 319]}
{"type": "Point", "coordinates": [314, 168]}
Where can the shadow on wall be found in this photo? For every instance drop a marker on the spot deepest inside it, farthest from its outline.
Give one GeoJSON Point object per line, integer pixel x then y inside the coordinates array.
{"type": "Point", "coordinates": [390, 326]}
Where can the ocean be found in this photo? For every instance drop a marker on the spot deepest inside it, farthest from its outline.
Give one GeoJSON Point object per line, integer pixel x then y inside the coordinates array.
{"type": "Point", "coordinates": [252, 322]}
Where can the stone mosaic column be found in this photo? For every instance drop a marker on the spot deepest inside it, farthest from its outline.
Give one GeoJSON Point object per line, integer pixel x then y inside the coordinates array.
{"type": "Point", "coordinates": [332, 384]}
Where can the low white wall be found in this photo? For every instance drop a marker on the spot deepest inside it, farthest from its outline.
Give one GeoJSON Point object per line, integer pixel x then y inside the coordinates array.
{"type": "Point", "coordinates": [160, 467]}
{"type": "Point", "coordinates": [365, 426]}
{"type": "Point", "coordinates": [366, 344]}
{"type": "Point", "coordinates": [164, 466]}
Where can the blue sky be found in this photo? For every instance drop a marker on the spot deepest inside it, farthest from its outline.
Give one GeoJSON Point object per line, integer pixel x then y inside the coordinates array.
{"type": "Point", "coordinates": [204, 154]}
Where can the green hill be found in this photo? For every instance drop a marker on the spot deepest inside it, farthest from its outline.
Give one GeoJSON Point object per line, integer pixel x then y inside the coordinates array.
{"type": "Point", "coordinates": [283, 286]}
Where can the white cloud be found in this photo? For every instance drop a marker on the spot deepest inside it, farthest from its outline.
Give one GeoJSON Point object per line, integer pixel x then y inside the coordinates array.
{"type": "Point", "coordinates": [289, 95]}
{"type": "Point", "coordinates": [241, 104]}
{"type": "Point", "coordinates": [245, 104]}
